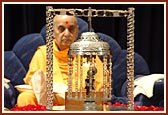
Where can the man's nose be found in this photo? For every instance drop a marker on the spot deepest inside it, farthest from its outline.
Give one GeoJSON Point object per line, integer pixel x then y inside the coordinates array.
{"type": "Point", "coordinates": [66, 32]}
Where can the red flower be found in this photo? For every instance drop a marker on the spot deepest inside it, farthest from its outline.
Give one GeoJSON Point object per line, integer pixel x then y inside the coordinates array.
{"type": "Point", "coordinates": [141, 108]}
{"type": "Point", "coordinates": [29, 108]}
{"type": "Point", "coordinates": [43, 108]}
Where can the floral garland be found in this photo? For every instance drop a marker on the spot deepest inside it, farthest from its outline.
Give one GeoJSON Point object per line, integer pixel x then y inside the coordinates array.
{"type": "Point", "coordinates": [43, 108]}
{"type": "Point", "coordinates": [141, 108]}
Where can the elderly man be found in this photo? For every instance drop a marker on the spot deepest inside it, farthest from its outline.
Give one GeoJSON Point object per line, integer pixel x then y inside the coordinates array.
{"type": "Point", "coordinates": [65, 33]}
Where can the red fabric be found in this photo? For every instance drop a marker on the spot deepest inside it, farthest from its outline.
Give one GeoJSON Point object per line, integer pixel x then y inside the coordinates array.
{"type": "Point", "coordinates": [43, 108]}
{"type": "Point", "coordinates": [141, 108]}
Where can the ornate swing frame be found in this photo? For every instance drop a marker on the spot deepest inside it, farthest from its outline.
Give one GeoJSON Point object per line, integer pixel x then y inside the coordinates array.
{"type": "Point", "coordinates": [129, 14]}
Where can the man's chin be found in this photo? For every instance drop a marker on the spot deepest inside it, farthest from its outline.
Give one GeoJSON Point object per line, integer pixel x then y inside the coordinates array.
{"type": "Point", "coordinates": [67, 43]}
{"type": "Point", "coordinates": [66, 46]}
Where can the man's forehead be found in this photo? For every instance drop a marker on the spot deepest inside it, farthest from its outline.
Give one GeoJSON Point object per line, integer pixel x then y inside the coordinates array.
{"type": "Point", "coordinates": [65, 18]}
{"type": "Point", "coordinates": [66, 23]}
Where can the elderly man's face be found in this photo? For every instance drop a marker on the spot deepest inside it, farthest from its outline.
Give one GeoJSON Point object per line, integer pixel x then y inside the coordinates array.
{"type": "Point", "coordinates": [65, 31]}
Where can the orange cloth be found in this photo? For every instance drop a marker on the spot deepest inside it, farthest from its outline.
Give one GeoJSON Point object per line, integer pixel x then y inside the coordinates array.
{"type": "Point", "coordinates": [60, 66]}
{"type": "Point", "coordinates": [60, 61]}
{"type": "Point", "coordinates": [60, 69]}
